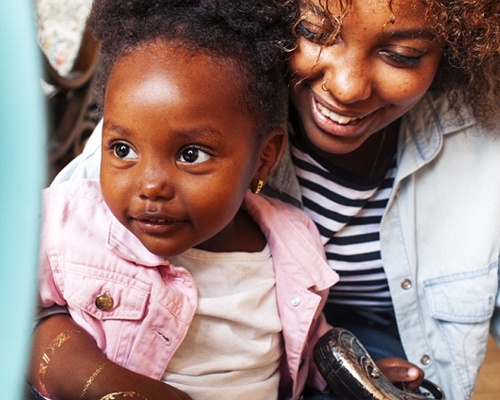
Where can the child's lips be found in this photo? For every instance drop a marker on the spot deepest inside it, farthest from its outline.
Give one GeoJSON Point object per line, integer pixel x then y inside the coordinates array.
{"type": "Point", "coordinates": [156, 223]}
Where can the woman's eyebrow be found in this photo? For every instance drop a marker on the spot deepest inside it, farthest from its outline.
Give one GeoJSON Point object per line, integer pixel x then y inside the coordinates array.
{"type": "Point", "coordinates": [315, 8]}
{"type": "Point", "coordinates": [412, 33]}
{"type": "Point", "coordinates": [417, 33]}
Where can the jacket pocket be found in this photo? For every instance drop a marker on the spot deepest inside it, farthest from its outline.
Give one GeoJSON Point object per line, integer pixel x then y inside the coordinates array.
{"type": "Point", "coordinates": [462, 305]}
{"type": "Point", "coordinates": [105, 295]}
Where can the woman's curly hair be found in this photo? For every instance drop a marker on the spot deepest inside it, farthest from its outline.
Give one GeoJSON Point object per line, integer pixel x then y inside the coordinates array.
{"type": "Point", "coordinates": [470, 32]}
{"type": "Point", "coordinates": [253, 35]}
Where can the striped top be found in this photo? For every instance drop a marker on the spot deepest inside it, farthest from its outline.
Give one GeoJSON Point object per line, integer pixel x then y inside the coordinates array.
{"type": "Point", "coordinates": [348, 217]}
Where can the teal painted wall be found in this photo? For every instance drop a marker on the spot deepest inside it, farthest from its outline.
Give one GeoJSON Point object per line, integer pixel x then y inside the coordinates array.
{"type": "Point", "coordinates": [22, 176]}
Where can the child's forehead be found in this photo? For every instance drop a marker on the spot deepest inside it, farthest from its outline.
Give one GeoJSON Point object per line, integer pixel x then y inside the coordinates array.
{"type": "Point", "coordinates": [180, 66]}
{"type": "Point", "coordinates": [170, 52]}
{"type": "Point", "coordinates": [160, 85]}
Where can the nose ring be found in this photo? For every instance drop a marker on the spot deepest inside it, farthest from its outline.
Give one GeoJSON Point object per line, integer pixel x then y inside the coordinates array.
{"type": "Point", "coordinates": [323, 85]}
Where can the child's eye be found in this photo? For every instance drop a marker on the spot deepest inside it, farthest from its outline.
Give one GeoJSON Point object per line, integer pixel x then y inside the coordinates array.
{"type": "Point", "coordinates": [124, 151]}
{"type": "Point", "coordinates": [193, 155]}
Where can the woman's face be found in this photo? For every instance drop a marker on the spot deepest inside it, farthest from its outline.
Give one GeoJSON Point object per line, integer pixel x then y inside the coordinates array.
{"type": "Point", "coordinates": [372, 73]}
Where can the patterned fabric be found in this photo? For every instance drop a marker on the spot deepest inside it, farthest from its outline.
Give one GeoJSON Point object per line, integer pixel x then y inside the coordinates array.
{"type": "Point", "coordinates": [60, 28]}
{"type": "Point", "coordinates": [348, 217]}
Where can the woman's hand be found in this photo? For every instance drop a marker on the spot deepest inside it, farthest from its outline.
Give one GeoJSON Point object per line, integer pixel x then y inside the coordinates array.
{"type": "Point", "coordinates": [397, 370]}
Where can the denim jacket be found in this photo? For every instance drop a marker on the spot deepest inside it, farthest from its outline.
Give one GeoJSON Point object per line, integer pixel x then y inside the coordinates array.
{"type": "Point", "coordinates": [138, 306]}
{"type": "Point", "coordinates": [440, 241]}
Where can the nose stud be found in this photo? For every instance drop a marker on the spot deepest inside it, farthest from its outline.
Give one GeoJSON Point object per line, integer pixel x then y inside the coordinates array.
{"type": "Point", "coordinates": [323, 85]}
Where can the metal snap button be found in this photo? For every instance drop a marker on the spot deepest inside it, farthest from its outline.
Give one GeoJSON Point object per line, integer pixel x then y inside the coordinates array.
{"type": "Point", "coordinates": [425, 360]}
{"type": "Point", "coordinates": [104, 302]}
{"type": "Point", "coordinates": [406, 284]}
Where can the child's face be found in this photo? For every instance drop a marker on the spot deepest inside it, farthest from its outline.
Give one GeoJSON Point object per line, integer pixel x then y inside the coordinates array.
{"type": "Point", "coordinates": [179, 149]}
{"type": "Point", "coordinates": [375, 71]}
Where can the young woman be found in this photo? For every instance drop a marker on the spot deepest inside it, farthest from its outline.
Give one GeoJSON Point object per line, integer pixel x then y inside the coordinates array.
{"type": "Point", "coordinates": [394, 155]}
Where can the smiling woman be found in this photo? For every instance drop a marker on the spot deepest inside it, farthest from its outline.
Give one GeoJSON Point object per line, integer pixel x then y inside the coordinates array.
{"type": "Point", "coordinates": [393, 142]}
{"type": "Point", "coordinates": [375, 69]}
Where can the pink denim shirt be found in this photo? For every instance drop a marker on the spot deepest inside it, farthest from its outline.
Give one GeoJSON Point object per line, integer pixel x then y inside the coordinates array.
{"type": "Point", "coordinates": [138, 306]}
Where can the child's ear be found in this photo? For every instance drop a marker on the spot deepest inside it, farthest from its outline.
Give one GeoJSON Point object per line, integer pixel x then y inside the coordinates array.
{"type": "Point", "coordinates": [272, 149]}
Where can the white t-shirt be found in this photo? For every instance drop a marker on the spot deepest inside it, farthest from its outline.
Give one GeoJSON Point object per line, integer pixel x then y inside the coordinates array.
{"type": "Point", "coordinates": [234, 344]}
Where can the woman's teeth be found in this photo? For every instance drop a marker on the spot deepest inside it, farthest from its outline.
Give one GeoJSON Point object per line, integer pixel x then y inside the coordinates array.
{"type": "Point", "coordinates": [340, 119]}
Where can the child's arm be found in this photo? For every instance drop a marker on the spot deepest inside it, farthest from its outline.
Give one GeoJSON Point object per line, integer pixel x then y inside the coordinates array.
{"type": "Point", "coordinates": [67, 364]}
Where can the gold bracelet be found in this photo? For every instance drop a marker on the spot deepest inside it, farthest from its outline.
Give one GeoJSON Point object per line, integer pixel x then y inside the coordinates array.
{"type": "Point", "coordinates": [112, 396]}
{"type": "Point", "coordinates": [91, 378]}
{"type": "Point", "coordinates": [56, 344]}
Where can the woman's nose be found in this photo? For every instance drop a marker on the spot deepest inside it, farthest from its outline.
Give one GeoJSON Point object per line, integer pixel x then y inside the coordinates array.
{"type": "Point", "coordinates": [346, 76]}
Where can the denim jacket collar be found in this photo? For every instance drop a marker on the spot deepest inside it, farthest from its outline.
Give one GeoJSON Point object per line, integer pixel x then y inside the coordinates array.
{"type": "Point", "coordinates": [422, 132]}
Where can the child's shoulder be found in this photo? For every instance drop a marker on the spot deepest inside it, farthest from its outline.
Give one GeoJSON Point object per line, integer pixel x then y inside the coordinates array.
{"type": "Point", "coordinates": [73, 197]}
{"type": "Point", "coordinates": [78, 189]}
{"type": "Point", "coordinates": [277, 213]}
{"type": "Point", "coordinates": [279, 206]}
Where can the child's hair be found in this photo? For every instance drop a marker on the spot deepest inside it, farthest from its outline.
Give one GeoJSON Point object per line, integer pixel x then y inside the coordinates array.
{"type": "Point", "coordinates": [470, 31]}
{"type": "Point", "coordinates": [253, 36]}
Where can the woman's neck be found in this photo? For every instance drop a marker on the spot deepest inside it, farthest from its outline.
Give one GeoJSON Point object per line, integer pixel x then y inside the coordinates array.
{"type": "Point", "coordinates": [371, 159]}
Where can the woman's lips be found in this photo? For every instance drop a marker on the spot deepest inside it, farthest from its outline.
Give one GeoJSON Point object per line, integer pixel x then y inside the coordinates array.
{"type": "Point", "coordinates": [334, 123]}
{"type": "Point", "coordinates": [339, 119]}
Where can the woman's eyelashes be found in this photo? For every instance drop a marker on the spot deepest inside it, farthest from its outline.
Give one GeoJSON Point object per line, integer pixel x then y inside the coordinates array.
{"type": "Point", "coordinates": [401, 61]}
{"type": "Point", "coordinates": [315, 33]}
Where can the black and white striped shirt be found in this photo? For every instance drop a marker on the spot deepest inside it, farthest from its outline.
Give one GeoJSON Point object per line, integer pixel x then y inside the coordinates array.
{"type": "Point", "coordinates": [348, 216]}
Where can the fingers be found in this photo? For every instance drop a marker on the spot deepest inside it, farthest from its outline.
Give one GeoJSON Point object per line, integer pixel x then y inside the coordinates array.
{"type": "Point", "coordinates": [397, 370]}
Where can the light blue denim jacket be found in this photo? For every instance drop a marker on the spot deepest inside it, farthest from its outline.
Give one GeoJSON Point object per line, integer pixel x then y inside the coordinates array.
{"type": "Point", "coordinates": [440, 240]}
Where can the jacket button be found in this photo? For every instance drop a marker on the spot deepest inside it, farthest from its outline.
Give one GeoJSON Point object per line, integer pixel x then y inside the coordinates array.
{"type": "Point", "coordinates": [295, 301]}
{"type": "Point", "coordinates": [406, 284]}
{"type": "Point", "coordinates": [425, 360]}
{"type": "Point", "coordinates": [104, 302]}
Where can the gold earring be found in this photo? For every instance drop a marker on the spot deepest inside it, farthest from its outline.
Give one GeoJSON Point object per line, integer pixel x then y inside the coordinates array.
{"type": "Point", "coordinates": [323, 85]}
{"type": "Point", "coordinates": [259, 187]}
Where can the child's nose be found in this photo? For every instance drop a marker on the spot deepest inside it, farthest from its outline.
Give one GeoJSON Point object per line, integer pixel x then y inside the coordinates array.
{"type": "Point", "coordinates": [155, 184]}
